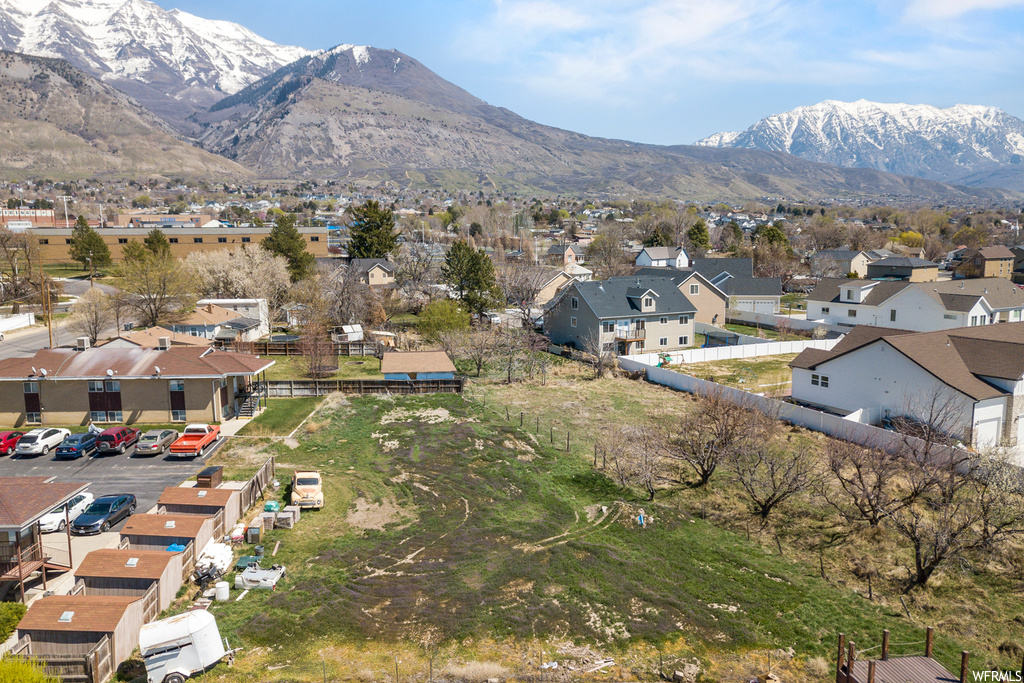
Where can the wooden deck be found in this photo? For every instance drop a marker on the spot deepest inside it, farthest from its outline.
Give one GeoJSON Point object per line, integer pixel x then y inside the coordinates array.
{"type": "Point", "coordinates": [902, 670]}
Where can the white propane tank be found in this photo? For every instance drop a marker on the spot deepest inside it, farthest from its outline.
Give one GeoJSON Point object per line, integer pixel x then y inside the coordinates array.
{"type": "Point", "coordinates": [222, 591]}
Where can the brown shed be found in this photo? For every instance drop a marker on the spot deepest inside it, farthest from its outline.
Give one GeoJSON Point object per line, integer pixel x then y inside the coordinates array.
{"type": "Point", "coordinates": [181, 500]}
{"type": "Point", "coordinates": [157, 532]}
{"type": "Point", "coordinates": [131, 573]}
{"type": "Point", "coordinates": [74, 624]}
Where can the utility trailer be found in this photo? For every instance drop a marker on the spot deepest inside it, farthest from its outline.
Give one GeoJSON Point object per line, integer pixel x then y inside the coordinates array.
{"type": "Point", "coordinates": [181, 646]}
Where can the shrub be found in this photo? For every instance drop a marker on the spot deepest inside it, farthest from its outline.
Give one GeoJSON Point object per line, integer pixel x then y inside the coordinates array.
{"type": "Point", "coordinates": [10, 614]}
{"type": "Point", "coordinates": [23, 671]}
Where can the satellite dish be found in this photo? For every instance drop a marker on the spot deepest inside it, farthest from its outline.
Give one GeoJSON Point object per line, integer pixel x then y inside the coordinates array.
{"type": "Point", "coordinates": [157, 368]}
{"type": "Point", "coordinates": [43, 371]}
{"type": "Point", "coordinates": [110, 373]}
{"type": "Point", "coordinates": [33, 370]}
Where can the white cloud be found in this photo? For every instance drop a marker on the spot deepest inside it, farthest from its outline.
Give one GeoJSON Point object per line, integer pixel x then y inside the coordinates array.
{"type": "Point", "coordinates": [941, 10]}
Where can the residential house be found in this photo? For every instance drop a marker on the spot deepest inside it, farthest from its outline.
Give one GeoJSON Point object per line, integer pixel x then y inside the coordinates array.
{"type": "Point", "coordinates": [839, 263]}
{"type": "Point", "coordinates": [206, 321]}
{"type": "Point", "coordinates": [663, 257]}
{"type": "Point", "coordinates": [551, 288]}
{"type": "Point", "coordinates": [1018, 258]}
{"type": "Point", "coordinates": [254, 309]}
{"type": "Point", "coordinates": [411, 365]}
{"type": "Point", "coordinates": [632, 313]}
{"type": "Point", "coordinates": [153, 338]}
{"type": "Point", "coordinates": [973, 373]}
{"type": "Point", "coordinates": [76, 624]}
{"type": "Point", "coordinates": [919, 306]}
{"type": "Point", "coordinates": [131, 572]}
{"type": "Point", "coordinates": [80, 385]}
{"type": "Point", "coordinates": [23, 502]}
{"type": "Point", "coordinates": [904, 268]}
{"type": "Point", "coordinates": [710, 301]}
{"type": "Point", "coordinates": [987, 262]}
{"type": "Point", "coordinates": [562, 255]}
{"type": "Point", "coordinates": [374, 272]}
{"type": "Point", "coordinates": [735, 277]}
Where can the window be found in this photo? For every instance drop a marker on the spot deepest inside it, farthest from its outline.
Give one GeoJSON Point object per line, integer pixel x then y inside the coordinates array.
{"type": "Point", "coordinates": [640, 345]}
{"type": "Point", "coordinates": [122, 240]}
{"type": "Point", "coordinates": [222, 240]}
{"type": "Point", "coordinates": [824, 309]}
{"type": "Point", "coordinates": [177, 416]}
{"type": "Point", "coordinates": [172, 240]}
{"type": "Point", "coordinates": [949, 316]}
{"type": "Point", "coordinates": [608, 326]}
{"type": "Point", "coordinates": [31, 387]}
{"type": "Point", "coordinates": [197, 240]}
{"type": "Point", "coordinates": [98, 416]}
{"type": "Point", "coordinates": [34, 418]}
{"type": "Point", "coordinates": [95, 387]}
{"type": "Point", "coordinates": [974, 320]}
{"type": "Point", "coordinates": [246, 240]}
{"type": "Point", "coordinates": [314, 238]}
{"type": "Point", "coordinates": [849, 295]}
{"type": "Point", "coordinates": [684, 319]}
{"type": "Point", "coordinates": [648, 302]}
{"type": "Point", "coordinates": [852, 313]}
{"type": "Point", "coordinates": [694, 289]}
{"type": "Point", "coordinates": [892, 315]}
{"type": "Point", "coordinates": [114, 385]}
{"type": "Point", "coordinates": [572, 321]}
{"type": "Point", "coordinates": [664, 321]}
{"type": "Point", "coordinates": [684, 340]}
{"type": "Point", "coordinates": [113, 416]}
{"type": "Point", "coordinates": [177, 385]}
{"type": "Point", "coordinates": [663, 341]}
{"type": "Point", "coordinates": [574, 304]}
{"type": "Point", "coordinates": [44, 241]}
{"type": "Point", "coordinates": [67, 241]}
{"type": "Point", "coordinates": [820, 381]}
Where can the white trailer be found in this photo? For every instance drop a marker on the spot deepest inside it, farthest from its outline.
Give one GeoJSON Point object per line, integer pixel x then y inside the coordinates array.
{"type": "Point", "coordinates": [178, 647]}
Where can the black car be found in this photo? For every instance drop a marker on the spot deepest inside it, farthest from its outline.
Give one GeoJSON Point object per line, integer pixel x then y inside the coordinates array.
{"type": "Point", "coordinates": [77, 445]}
{"type": "Point", "coordinates": [103, 513]}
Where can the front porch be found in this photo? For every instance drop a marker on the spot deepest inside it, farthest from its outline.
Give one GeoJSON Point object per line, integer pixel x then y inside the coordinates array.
{"type": "Point", "coordinates": [29, 555]}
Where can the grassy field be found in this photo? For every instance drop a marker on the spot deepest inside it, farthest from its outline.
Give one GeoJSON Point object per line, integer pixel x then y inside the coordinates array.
{"type": "Point", "coordinates": [349, 367]}
{"type": "Point", "coordinates": [770, 374]}
{"type": "Point", "coordinates": [448, 527]}
{"type": "Point", "coordinates": [281, 416]}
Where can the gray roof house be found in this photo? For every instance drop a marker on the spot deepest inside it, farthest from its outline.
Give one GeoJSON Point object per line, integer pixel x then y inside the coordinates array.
{"type": "Point", "coordinates": [375, 272]}
{"type": "Point", "coordinates": [735, 277]}
{"type": "Point", "coordinates": [632, 314]}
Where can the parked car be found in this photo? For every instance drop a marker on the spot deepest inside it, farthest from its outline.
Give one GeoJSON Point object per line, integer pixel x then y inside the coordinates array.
{"type": "Point", "coordinates": [103, 513]}
{"type": "Point", "coordinates": [307, 489]}
{"type": "Point", "coordinates": [56, 520]}
{"type": "Point", "coordinates": [40, 441]}
{"type": "Point", "coordinates": [77, 445]}
{"type": "Point", "coordinates": [8, 440]}
{"type": "Point", "coordinates": [156, 441]}
{"type": "Point", "coordinates": [117, 439]}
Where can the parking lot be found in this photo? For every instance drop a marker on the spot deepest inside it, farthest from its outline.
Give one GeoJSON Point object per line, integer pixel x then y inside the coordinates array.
{"type": "Point", "coordinates": [144, 476]}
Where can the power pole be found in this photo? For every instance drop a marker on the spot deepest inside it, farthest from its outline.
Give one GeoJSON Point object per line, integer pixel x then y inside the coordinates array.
{"type": "Point", "coordinates": [67, 221]}
{"type": "Point", "coordinates": [44, 290]}
{"type": "Point", "coordinates": [92, 267]}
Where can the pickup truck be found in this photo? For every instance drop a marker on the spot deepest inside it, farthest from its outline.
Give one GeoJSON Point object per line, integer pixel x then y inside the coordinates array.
{"type": "Point", "coordinates": [196, 439]}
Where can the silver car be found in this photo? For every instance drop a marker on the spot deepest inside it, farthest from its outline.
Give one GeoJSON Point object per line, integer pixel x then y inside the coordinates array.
{"type": "Point", "coordinates": [41, 441]}
{"type": "Point", "coordinates": [156, 441]}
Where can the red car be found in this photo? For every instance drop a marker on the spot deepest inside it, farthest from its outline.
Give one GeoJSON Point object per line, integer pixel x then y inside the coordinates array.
{"type": "Point", "coordinates": [117, 439]}
{"type": "Point", "coordinates": [8, 440]}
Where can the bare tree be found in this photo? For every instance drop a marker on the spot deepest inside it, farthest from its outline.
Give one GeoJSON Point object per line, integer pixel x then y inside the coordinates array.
{"type": "Point", "coordinates": [348, 300]}
{"type": "Point", "coordinates": [159, 286]}
{"type": "Point", "coordinates": [635, 457]}
{"type": "Point", "coordinates": [314, 341]}
{"type": "Point", "coordinates": [708, 435]}
{"type": "Point", "coordinates": [601, 353]}
{"type": "Point", "coordinates": [478, 346]}
{"type": "Point", "coordinates": [90, 315]}
{"type": "Point", "coordinates": [416, 270]}
{"type": "Point", "coordinates": [18, 253]}
{"type": "Point", "coordinates": [520, 283]}
{"type": "Point", "coordinates": [770, 473]}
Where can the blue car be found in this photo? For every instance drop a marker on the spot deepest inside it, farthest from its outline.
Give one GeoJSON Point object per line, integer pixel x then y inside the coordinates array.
{"type": "Point", "coordinates": [77, 445]}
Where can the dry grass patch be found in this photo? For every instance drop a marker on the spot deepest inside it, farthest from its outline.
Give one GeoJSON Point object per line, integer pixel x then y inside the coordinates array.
{"type": "Point", "coordinates": [476, 672]}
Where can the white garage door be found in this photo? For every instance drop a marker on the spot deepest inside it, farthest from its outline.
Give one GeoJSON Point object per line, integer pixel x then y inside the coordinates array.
{"type": "Point", "coordinates": [986, 433]}
{"type": "Point", "coordinates": [764, 306]}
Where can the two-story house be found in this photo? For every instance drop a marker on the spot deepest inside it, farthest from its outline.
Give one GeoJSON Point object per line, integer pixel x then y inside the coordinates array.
{"type": "Point", "coordinates": [994, 261]}
{"type": "Point", "coordinates": [918, 306]}
{"type": "Point", "coordinates": [709, 300]}
{"type": "Point", "coordinates": [374, 272]}
{"type": "Point", "coordinates": [735, 277]}
{"type": "Point", "coordinates": [662, 257]}
{"type": "Point", "coordinates": [631, 314]}
{"type": "Point", "coordinates": [839, 263]}
{"type": "Point", "coordinates": [904, 268]}
{"type": "Point", "coordinates": [563, 255]}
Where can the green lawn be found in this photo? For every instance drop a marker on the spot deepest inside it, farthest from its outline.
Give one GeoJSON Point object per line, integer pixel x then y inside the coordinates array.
{"type": "Point", "coordinates": [349, 367]}
{"type": "Point", "coordinates": [281, 416]}
{"type": "Point", "coordinates": [768, 333]}
{"type": "Point", "coordinates": [446, 525]}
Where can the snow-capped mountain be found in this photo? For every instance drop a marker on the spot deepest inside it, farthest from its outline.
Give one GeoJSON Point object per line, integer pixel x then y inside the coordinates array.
{"type": "Point", "coordinates": [168, 60]}
{"type": "Point", "coordinates": [968, 144]}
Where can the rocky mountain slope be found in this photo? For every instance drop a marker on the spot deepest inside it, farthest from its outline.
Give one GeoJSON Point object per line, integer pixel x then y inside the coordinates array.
{"type": "Point", "coordinates": [964, 144]}
{"type": "Point", "coordinates": [170, 61]}
{"type": "Point", "coordinates": [363, 112]}
{"type": "Point", "coordinates": [59, 122]}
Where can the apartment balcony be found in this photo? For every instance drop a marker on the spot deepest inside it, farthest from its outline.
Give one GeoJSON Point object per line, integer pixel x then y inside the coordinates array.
{"type": "Point", "coordinates": [631, 335]}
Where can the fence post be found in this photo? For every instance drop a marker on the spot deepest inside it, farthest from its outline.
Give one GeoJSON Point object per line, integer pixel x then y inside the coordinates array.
{"type": "Point", "coordinates": [567, 441]}
{"type": "Point", "coordinates": [520, 419]}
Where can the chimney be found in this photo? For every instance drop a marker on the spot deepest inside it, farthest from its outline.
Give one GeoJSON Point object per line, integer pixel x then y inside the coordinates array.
{"type": "Point", "coordinates": [81, 344]}
{"type": "Point", "coordinates": [163, 343]}
{"type": "Point", "coordinates": [209, 308]}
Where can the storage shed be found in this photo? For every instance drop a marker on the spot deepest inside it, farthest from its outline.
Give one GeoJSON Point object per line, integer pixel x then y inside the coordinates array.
{"type": "Point", "coordinates": [417, 365]}
{"type": "Point", "coordinates": [181, 500]}
{"type": "Point", "coordinates": [157, 532]}
{"type": "Point", "coordinates": [75, 624]}
{"type": "Point", "coordinates": [131, 573]}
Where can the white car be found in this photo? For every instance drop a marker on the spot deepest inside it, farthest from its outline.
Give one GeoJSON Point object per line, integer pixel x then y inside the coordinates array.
{"type": "Point", "coordinates": [41, 441]}
{"type": "Point", "coordinates": [57, 521]}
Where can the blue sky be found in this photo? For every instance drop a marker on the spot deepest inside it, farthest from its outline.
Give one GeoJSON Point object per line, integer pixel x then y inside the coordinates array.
{"type": "Point", "coordinates": [673, 71]}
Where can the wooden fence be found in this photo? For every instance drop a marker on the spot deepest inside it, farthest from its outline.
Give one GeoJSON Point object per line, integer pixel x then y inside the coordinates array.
{"type": "Point", "coordinates": [96, 666]}
{"type": "Point", "coordinates": [255, 487]}
{"type": "Point", "coordinates": [270, 348]}
{"type": "Point", "coordinates": [323, 387]}
{"type": "Point", "coordinates": [188, 562]}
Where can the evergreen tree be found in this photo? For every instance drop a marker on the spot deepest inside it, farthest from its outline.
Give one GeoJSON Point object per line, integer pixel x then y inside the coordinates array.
{"type": "Point", "coordinates": [87, 244]}
{"type": "Point", "coordinates": [772, 234]}
{"type": "Point", "coordinates": [661, 236]}
{"type": "Point", "coordinates": [699, 235]}
{"type": "Point", "coordinates": [373, 231]}
{"type": "Point", "coordinates": [157, 243]}
{"type": "Point", "coordinates": [471, 274]}
{"type": "Point", "coordinates": [284, 240]}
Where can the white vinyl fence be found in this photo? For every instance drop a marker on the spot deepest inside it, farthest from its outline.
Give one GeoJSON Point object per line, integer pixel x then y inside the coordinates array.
{"type": "Point", "coordinates": [732, 352]}
{"type": "Point", "coordinates": [9, 323]}
{"type": "Point", "coordinates": [767, 320]}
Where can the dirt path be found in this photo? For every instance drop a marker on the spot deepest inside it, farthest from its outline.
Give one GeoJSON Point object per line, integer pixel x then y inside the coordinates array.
{"type": "Point", "coordinates": [608, 517]}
